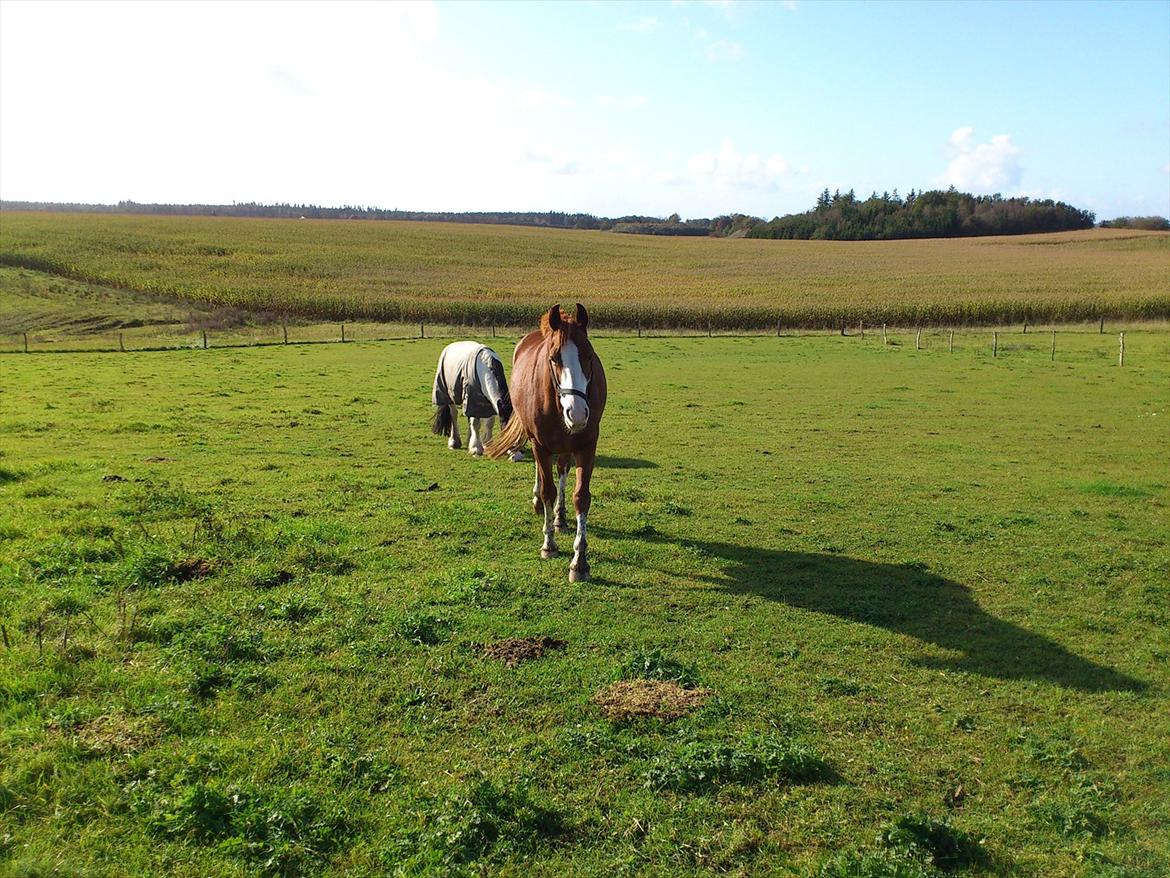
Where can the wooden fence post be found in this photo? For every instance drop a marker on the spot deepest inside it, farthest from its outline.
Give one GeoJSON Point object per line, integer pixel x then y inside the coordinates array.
{"type": "Point", "coordinates": [343, 333]}
{"type": "Point", "coordinates": [883, 333]}
{"type": "Point", "coordinates": [26, 342]}
{"type": "Point", "coordinates": [121, 343]}
{"type": "Point", "coordinates": [493, 330]}
{"type": "Point", "coordinates": [1121, 349]}
{"type": "Point", "coordinates": [708, 329]}
{"type": "Point", "coordinates": [205, 339]}
{"type": "Point", "coordinates": [951, 342]}
{"type": "Point", "coordinates": [995, 344]}
{"type": "Point", "coordinates": [918, 341]}
{"type": "Point", "coordinates": [422, 333]}
{"type": "Point", "coordinates": [777, 329]}
{"type": "Point", "coordinates": [861, 327]}
{"type": "Point", "coordinates": [1102, 329]}
{"type": "Point", "coordinates": [1025, 327]}
{"type": "Point", "coordinates": [1053, 358]}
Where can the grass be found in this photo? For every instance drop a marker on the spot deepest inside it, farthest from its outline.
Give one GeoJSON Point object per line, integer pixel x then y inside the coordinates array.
{"type": "Point", "coordinates": [927, 594]}
{"type": "Point", "coordinates": [474, 274]}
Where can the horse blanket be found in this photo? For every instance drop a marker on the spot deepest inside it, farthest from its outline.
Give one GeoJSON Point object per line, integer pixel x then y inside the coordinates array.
{"type": "Point", "coordinates": [471, 377]}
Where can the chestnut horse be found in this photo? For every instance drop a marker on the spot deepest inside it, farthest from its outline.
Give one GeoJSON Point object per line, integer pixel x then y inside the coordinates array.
{"type": "Point", "coordinates": [558, 396]}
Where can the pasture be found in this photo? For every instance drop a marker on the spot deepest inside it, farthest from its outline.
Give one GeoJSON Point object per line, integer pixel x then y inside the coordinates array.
{"type": "Point", "coordinates": [468, 274]}
{"type": "Point", "coordinates": [249, 602]}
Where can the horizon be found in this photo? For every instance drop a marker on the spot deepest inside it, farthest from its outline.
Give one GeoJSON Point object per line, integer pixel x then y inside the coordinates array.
{"type": "Point", "coordinates": [700, 109]}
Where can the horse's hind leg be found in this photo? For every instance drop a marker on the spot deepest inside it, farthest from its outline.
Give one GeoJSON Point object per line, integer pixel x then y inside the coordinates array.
{"type": "Point", "coordinates": [562, 523]}
{"type": "Point", "coordinates": [453, 441]}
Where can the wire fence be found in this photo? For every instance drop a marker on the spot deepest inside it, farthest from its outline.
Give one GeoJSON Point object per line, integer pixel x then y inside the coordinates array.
{"type": "Point", "coordinates": [152, 338]}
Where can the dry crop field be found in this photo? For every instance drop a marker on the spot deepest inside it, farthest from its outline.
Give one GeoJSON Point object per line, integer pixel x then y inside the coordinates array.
{"type": "Point", "coordinates": [475, 274]}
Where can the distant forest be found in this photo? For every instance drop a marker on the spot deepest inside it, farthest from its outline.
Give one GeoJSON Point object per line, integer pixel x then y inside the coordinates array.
{"type": "Point", "coordinates": [934, 214]}
{"type": "Point", "coordinates": [836, 217]}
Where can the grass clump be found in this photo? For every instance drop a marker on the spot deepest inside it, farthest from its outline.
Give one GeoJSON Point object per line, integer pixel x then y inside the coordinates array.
{"type": "Point", "coordinates": [656, 665]}
{"type": "Point", "coordinates": [702, 765]}
{"type": "Point", "coordinates": [935, 842]}
{"type": "Point", "coordinates": [485, 822]}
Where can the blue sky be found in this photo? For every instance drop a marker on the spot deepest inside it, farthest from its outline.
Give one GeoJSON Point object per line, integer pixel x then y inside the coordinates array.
{"type": "Point", "coordinates": [610, 108]}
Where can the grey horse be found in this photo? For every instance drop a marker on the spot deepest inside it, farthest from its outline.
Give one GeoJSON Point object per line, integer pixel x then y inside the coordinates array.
{"type": "Point", "coordinates": [470, 376]}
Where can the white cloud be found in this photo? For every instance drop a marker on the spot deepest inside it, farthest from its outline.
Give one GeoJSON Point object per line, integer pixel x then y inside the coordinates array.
{"type": "Point", "coordinates": [982, 167]}
{"type": "Point", "coordinates": [729, 168]}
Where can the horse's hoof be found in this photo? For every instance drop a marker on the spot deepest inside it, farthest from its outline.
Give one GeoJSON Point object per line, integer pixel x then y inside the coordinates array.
{"type": "Point", "coordinates": [454, 446]}
{"type": "Point", "coordinates": [538, 507]}
{"type": "Point", "coordinates": [516, 456]}
{"type": "Point", "coordinates": [475, 452]}
{"type": "Point", "coordinates": [549, 553]}
{"type": "Point", "coordinates": [561, 525]}
{"type": "Point", "coordinates": [579, 574]}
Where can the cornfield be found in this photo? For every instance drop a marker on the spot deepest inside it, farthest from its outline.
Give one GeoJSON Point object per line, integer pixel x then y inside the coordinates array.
{"type": "Point", "coordinates": [398, 271]}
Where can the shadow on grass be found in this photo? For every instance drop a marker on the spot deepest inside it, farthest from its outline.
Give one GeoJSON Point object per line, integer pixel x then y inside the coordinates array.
{"type": "Point", "coordinates": [905, 599]}
{"type": "Point", "coordinates": [604, 461]}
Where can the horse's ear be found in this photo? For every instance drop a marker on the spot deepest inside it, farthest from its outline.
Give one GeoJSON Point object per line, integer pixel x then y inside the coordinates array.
{"type": "Point", "coordinates": [552, 320]}
{"type": "Point", "coordinates": [582, 316]}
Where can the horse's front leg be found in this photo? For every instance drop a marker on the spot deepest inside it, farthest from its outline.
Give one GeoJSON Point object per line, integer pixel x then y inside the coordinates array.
{"type": "Point", "coordinates": [548, 497]}
{"type": "Point", "coordinates": [561, 522]}
{"type": "Point", "coordinates": [475, 437]}
{"type": "Point", "coordinates": [582, 498]}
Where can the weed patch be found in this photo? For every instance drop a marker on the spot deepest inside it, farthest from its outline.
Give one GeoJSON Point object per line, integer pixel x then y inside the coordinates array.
{"type": "Point", "coordinates": [641, 699]}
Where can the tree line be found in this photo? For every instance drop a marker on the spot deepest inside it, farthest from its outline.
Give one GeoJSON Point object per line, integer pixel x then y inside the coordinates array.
{"type": "Point", "coordinates": [836, 217]}
{"type": "Point", "coordinates": [932, 214]}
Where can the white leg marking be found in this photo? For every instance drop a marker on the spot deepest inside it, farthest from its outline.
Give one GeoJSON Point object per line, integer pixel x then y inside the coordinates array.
{"type": "Point", "coordinates": [579, 569]}
{"type": "Point", "coordinates": [474, 442]}
{"type": "Point", "coordinates": [549, 549]}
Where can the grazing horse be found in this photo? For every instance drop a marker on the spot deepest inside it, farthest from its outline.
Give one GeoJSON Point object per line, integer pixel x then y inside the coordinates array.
{"type": "Point", "coordinates": [558, 391]}
{"type": "Point", "coordinates": [470, 376]}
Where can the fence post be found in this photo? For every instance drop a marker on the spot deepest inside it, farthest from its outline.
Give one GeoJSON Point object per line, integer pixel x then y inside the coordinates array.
{"type": "Point", "coordinates": [493, 330]}
{"type": "Point", "coordinates": [1102, 329]}
{"type": "Point", "coordinates": [26, 342]}
{"type": "Point", "coordinates": [708, 329]}
{"type": "Point", "coordinates": [121, 344]}
{"type": "Point", "coordinates": [343, 333]}
{"type": "Point", "coordinates": [1025, 327]}
{"type": "Point", "coordinates": [861, 327]}
{"type": "Point", "coordinates": [777, 329]}
{"type": "Point", "coordinates": [884, 334]}
{"type": "Point", "coordinates": [1053, 346]}
{"type": "Point", "coordinates": [422, 333]}
{"type": "Point", "coordinates": [205, 339]}
{"type": "Point", "coordinates": [995, 344]}
{"type": "Point", "coordinates": [1121, 350]}
{"type": "Point", "coordinates": [918, 341]}
{"type": "Point", "coordinates": [951, 342]}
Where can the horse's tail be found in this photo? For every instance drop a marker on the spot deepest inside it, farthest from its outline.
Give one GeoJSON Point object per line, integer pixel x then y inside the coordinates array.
{"type": "Point", "coordinates": [509, 439]}
{"type": "Point", "coordinates": [441, 424]}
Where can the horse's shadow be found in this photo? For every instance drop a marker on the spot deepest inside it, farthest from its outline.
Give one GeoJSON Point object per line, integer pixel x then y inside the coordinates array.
{"type": "Point", "coordinates": [607, 462]}
{"type": "Point", "coordinates": [906, 599]}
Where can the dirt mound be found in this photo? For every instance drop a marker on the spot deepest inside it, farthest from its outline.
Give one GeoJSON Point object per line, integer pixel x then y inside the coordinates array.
{"type": "Point", "coordinates": [191, 568]}
{"type": "Point", "coordinates": [635, 699]}
{"type": "Point", "coordinates": [514, 650]}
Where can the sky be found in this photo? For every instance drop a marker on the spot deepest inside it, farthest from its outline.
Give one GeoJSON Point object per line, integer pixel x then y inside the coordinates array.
{"type": "Point", "coordinates": [699, 108]}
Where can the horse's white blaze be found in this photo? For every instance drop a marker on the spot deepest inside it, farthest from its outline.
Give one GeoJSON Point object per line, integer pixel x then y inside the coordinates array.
{"type": "Point", "coordinates": [574, 409]}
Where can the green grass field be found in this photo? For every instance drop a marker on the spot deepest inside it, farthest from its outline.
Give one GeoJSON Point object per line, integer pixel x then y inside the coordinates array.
{"type": "Point", "coordinates": [244, 595]}
{"type": "Point", "coordinates": [451, 273]}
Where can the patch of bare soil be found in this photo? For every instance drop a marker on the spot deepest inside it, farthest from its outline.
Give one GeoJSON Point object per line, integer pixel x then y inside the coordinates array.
{"type": "Point", "coordinates": [191, 568]}
{"type": "Point", "coordinates": [116, 733]}
{"type": "Point", "coordinates": [637, 699]}
{"type": "Point", "coordinates": [514, 650]}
